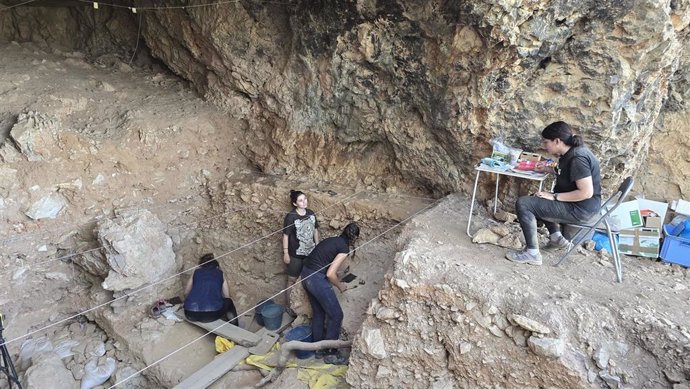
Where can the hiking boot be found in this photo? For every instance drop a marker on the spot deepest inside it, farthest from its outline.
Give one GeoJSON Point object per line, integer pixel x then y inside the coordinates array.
{"type": "Point", "coordinates": [560, 243]}
{"type": "Point", "coordinates": [524, 257]}
{"type": "Point", "coordinates": [335, 359]}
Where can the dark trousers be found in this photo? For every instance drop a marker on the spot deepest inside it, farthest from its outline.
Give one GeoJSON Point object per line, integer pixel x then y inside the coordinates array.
{"type": "Point", "coordinates": [552, 213]}
{"type": "Point", "coordinates": [327, 316]}
{"type": "Point", "coordinates": [228, 312]}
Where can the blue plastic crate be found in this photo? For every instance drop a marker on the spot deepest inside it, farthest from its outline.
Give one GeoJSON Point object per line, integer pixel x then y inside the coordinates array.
{"type": "Point", "coordinates": [675, 249]}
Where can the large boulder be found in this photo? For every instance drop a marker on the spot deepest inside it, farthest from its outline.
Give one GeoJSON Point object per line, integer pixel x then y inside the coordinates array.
{"type": "Point", "coordinates": [136, 248]}
{"type": "Point", "coordinates": [48, 371]}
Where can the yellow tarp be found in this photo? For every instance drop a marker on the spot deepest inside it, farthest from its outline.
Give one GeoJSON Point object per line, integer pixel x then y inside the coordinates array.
{"type": "Point", "coordinates": [317, 375]}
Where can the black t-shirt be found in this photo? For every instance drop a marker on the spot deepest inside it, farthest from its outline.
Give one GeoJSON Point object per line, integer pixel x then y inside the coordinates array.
{"type": "Point", "coordinates": [300, 231]}
{"type": "Point", "coordinates": [578, 163]}
{"type": "Point", "coordinates": [325, 252]}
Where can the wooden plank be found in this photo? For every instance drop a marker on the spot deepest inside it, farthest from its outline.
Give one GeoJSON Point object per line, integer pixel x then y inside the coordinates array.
{"type": "Point", "coordinates": [268, 339]}
{"type": "Point", "coordinates": [210, 373]}
{"type": "Point", "coordinates": [229, 331]}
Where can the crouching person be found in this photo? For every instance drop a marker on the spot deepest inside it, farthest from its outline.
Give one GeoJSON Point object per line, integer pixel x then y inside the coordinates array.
{"type": "Point", "coordinates": [320, 275]}
{"type": "Point", "coordinates": [208, 295]}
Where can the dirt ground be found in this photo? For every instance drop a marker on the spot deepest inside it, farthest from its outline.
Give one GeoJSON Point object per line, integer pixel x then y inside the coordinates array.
{"type": "Point", "coordinates": [139, 138]}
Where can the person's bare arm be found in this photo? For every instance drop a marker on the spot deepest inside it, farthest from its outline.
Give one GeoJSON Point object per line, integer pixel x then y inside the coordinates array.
{"type": "Point", "coordinates": [316, 236]}
{"type": "Point", "coordinates": [188, 288]}
{"type": "Point", "coordinates": [544, 167]}
{"type": "Point", "coordinates": [226, 289]}
{"type": "Point", "coordinates": [286, 255]}
{"type": "Point", "coordinates": [332, 273]}
{"type": "Point", "coordinates": [584, 191]}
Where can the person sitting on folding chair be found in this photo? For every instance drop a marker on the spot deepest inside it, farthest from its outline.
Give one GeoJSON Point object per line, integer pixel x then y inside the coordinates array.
{"type": "Point", "coordinates": [576, 197]}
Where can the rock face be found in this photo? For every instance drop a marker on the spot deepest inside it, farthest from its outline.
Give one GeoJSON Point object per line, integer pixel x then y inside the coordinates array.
{"type": "Point", "coordinates": [136, 248]}
{"type": "Point", "coordinates": [414, 90]}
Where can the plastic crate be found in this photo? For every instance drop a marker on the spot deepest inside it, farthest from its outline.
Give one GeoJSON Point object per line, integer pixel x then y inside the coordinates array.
{"type": "Point", "coordinates": [675, 249]}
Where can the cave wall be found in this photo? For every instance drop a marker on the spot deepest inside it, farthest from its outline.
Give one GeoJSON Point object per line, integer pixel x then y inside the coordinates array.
{"type": "Point", "coordinates": [414, 90]}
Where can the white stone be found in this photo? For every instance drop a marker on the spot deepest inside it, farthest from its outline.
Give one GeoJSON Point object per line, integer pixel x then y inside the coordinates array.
{"type": "Point", "coordinates": [373, 339]}
{"type": "Point", "coordinates": [529, 324]}
{"type": "Point", "coordinates": [47, 207]}
{"type": "Point", "coordinates": [546, 347]}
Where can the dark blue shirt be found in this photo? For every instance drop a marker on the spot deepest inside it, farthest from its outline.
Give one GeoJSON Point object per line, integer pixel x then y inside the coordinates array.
{"type": "Point", "coordinates": [207, 290]}
{"type": "Point", "coordinates": [324, 253]}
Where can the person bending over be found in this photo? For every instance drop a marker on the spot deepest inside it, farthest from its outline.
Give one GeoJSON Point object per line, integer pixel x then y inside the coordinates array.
{"type": "Point", "coordinates": [576, 197]}
{"type": "Point", "coordinates": [208, 295]}
{"type": "Point", "coordinates": [319, 275]}
{"type": "Point", "coordinates": [300, 236]}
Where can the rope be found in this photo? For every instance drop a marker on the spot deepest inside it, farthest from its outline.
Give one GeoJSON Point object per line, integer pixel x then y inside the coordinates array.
{"type": "Point", "coordinates": [145, 287]}
{"type": "Point", "coordinates": [138, 39]}
{"type": "Point", "coordinates": [17, 5]}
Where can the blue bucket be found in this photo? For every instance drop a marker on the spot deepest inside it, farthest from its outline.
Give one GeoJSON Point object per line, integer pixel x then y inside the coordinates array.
{"type": "Point", "coordinates": [257, 311]}
{"type": "Point", "coordinates": [301, 333]}
{"type": "Point", "coordinates": [273, 316]}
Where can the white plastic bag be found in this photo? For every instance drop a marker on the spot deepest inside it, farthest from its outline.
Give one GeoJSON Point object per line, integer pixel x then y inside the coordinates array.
{"type": "Point", "coordinates": [64, 348]}
{"type": "Point", "coordinates": [31, 347]}
{"type": "Point", "coordinates": [95, 375]}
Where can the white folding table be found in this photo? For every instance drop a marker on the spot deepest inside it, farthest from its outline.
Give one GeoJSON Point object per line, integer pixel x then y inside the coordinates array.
{"type": "Point", "coordinates": [529, 175]}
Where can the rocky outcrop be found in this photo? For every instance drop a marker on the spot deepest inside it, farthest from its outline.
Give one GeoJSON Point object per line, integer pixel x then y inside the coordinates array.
{"type": "Point", "coordinates": [451, 317]}
{"type": "Point", "coordinates": [137, 250]}
{"type": "Point", "coordinates": [350, 90]}
{"type": "Point", "coordinates": [404, 90]}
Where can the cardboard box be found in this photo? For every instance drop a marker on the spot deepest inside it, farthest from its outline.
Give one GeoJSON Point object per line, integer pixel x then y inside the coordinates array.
{"type": "Point", "coordinates": [627, 215]}
{"type": "Point", "coordinates": [640, 242]}
{"type": "Point", "coordinates": [526, 156]}
{"type": "Point", "coordinates": [653, 212]}
{"type": "Point", "coordinates": [681, 206]}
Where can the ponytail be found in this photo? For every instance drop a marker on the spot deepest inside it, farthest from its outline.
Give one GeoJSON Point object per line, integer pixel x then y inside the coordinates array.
{"type": "Point", "coordinates": [575, 140]}
{"type": "Point", "coordinates": [561, 130]}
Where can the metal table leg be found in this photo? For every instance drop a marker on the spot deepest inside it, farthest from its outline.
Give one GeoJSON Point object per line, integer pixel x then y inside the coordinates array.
{"type": "Point", "coordinates": [498, 177]}
{"type": "Point", "coordinates": [474, 193]}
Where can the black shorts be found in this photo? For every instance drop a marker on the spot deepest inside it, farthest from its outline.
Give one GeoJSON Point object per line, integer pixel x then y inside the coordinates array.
{"type": "Point", "coordinates": [294, 268]}
{"type": "Point", "coordinates": [228, 312]}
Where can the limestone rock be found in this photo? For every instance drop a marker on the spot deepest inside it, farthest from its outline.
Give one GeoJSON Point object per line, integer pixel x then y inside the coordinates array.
{"type": "Point", "coordinates": [485, 235]}
{"type": "Point", "coordinates": [137, 249]}
{"type": "Point", "coordinates": [373, 340]}
{"type": "Point", "coordinates": [510, 241]}
{"type": "Point", "coordinates": [546, 347]}
{"type": "Point", "coordinates": [48, 371]}
{"type": "Point", "coordinates": [613, 381]}
{"type": "Point", "coordinates": [48, 207]}
{"type": "Point", "coordinates": [35, 135]}
{"type": "Point", "coordinates": [504, 216]}
{"type": "Point", "coordinates": [601, 358]}
{"type": "Point", "coordinates": [500, 230]}
{"type": "Point", "coordinates": [137, 381]}
{"type": "Point", "coordinates": [529, 324]}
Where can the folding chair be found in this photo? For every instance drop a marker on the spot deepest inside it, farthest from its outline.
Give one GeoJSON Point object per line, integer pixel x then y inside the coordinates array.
{"type": "Point", "coordinates": [606, 209]}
